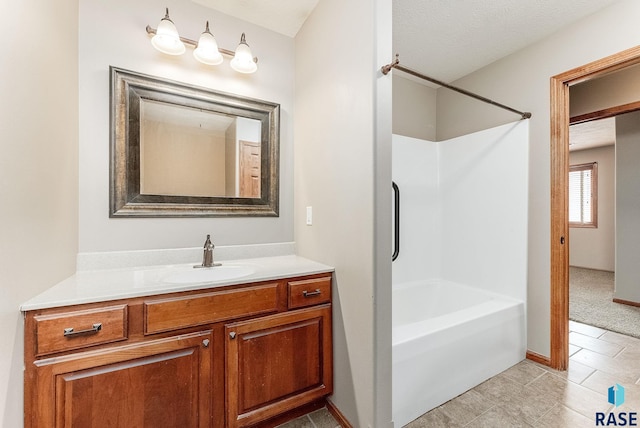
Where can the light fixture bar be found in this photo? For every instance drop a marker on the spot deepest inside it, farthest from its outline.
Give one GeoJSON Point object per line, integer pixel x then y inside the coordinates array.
{"type": "Point", "coordinates": [193, 44]}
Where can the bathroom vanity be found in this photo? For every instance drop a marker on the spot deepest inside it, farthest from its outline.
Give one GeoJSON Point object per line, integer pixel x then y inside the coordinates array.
{"type": "Point", "coordinates": [151, 353]}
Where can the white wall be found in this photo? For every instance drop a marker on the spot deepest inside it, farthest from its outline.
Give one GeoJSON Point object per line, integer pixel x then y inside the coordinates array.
{"type": "Point", "coordinates": [414, 108]}
{"type": "Point", "coordinates": [628, 207]}
{"type": "Point", "coordinates": [342, 136]}
{"type": "Point", "coordinates": [589, 247]}
{"type": "Point", "coordinates": [611, 90]}
{"type": "Point", "coordinates": [522, 80]}
{"type": "Point", "coordinates": [38, 171]}
{"type": "Point", "coordinates": [113, 33]}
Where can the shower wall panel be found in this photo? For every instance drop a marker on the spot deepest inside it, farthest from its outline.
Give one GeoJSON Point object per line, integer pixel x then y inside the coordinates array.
{"type": "Point", "coordinates": [415, 171]}
{"type": "Point", "coordinates": [484, 194]}
{"type": "Point", "coordinates": [464, 208]}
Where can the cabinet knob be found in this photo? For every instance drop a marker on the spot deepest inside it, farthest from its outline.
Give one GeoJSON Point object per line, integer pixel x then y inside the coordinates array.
{"type": "Point", "coordinates": [232, 335]}
{"type": "Point", "coordinates": [205, 343]}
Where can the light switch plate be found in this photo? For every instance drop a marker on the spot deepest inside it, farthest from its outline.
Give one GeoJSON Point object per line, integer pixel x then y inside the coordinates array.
{"type": "Point", "coordinates": [309, 216]}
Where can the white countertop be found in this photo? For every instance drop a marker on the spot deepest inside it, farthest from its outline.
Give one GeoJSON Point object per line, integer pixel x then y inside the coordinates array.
{"type": "Point", "coordinates": [88, 286]}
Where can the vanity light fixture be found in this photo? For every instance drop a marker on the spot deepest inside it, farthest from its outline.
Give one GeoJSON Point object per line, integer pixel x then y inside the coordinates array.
{"type": "Point", "coordinates": [206, 50]}
{"type": "Point", "coordinates": [242, 61]}
{"type": "Point", "coordinates": [166, 39]}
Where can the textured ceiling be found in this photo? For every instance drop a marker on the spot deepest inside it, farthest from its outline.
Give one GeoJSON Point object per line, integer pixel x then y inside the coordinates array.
{"type": "Point", "coordinates": [448, 39]}
{"type": "Point", "coordinates": [592, 134]}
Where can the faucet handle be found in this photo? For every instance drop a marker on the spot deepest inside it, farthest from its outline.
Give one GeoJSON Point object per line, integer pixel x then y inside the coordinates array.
{"type": "Point", "coordinates": [208, 244]}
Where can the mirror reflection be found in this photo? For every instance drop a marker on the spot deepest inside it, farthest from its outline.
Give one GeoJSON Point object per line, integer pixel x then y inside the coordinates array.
{"type": "Point", "coordinates": [191, 152]}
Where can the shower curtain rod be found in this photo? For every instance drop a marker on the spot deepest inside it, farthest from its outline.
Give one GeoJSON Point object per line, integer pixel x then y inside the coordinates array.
{"type": "Point", "coordinates": [396, 64]}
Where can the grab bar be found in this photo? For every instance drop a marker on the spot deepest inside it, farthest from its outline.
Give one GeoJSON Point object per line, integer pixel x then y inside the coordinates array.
{"type": "Point", "coordinates": [396, 225]}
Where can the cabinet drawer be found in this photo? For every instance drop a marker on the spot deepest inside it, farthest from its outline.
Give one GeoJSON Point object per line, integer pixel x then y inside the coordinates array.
{"type": "Point", "coordinates": [309, 292]}
{"type": "Point", "coordinates": [78, 329]}
{"type": "Point", "coordinates": [180, 312]}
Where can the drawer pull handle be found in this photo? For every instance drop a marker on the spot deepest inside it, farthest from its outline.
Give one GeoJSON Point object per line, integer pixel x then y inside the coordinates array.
{"type": "Point", "coordinates": [232, 335]}
{"type": "Point", "coordinates": [306, 293]}
{"type": "Point", "coordinates": [69, 332]}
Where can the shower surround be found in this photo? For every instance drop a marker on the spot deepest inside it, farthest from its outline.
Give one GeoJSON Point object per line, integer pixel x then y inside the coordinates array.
{"type": "Point", "coordinates": [459, 282]}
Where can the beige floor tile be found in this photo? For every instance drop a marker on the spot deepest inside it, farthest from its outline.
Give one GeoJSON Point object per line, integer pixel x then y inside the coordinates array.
{"type": "Point", "coordinates": [524, 372]}
{"type": "Point", "coordinates": [577, 372]}
{"type": "Point", "coordinates": [529, 405]}
{"type": "Point", "coordinates": [498, 417]}
{"type": "Point", "coordinates": [301, 422]}
{"type": "Point", "coordinates": [549, 385]}
{"type": "Point", "coordinates": [433, 419]}
{"type": "Point", "coordinates": [499, 388]}
{"type": "Point", "coordinates": [585, 401]}
{"type": "Point", "coordinates": [629, 359]}
{"type": "Point", "coordinates": [547, 368]}
{"type": "Point", "coordinates": [573, 349]}
{"type": "Point", "coordinates": [563, 417]}
{"type": "Point", "coordinates": [466, 407]}
{"type": "Point", "coordinates": [323, 419]}
{"type": "Point", "coordinates": [613, 366]}
{"type": "Point", "coordinates": [572, 395]}
{"type": "Point", "coordinates": [596, 345]}
{"type": "Point", "coordinates": [585, 329]}
{"type": "Point", "coordinates": [600, 381]}
{"type": "Point", "coordinates": [620, 339]}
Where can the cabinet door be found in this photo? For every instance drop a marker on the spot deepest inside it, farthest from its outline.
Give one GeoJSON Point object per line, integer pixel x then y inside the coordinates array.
{"type": "Point", "coordinates": [277, 363]}
{"type": "Point", "coordinates": [160, 383]}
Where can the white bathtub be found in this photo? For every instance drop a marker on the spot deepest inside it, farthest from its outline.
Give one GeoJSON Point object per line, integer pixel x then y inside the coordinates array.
{"type": "Point", "coordinates": [448, 338]}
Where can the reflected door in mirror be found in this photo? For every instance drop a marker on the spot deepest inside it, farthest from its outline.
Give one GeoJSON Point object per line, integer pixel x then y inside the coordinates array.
{"type": "Point", "coordinates": [250, 161]}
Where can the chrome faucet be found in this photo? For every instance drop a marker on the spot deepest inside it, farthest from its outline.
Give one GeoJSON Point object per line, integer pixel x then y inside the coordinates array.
{"type": "Point", "coordinates": [207, 256]}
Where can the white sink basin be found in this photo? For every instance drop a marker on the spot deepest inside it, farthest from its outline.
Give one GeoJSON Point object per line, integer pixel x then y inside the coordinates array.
{"type": "Point", "coordinates": [212, 274]}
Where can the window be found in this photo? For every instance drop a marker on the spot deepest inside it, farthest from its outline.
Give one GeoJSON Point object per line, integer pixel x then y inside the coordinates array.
{"type": "Point", "coordinates": [583, 195]}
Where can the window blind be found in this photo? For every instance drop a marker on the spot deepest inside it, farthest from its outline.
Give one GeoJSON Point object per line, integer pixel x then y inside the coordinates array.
{"type": "Point", "coordinates": [581, 194]}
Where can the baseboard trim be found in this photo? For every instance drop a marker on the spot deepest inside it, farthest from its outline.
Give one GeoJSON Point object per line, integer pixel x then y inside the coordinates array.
{"type": "Point", "coordinates": [626, 302]}
{"type": "Point", "coordinates": [337, 414]}
{"type": "Point", "coordinates": [540, 359]}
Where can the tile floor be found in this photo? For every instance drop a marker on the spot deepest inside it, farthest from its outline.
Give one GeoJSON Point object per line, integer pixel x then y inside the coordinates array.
{"type": "Point", "coordinates": [321, 418]}
{"type": "Point", "coordinates": [532, 395]}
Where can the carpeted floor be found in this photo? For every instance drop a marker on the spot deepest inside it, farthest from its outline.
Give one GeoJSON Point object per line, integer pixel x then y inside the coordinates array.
{"type": "Point", "coordinates": [590, 294]}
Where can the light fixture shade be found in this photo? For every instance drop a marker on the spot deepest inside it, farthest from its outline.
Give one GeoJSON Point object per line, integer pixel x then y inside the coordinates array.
{"type": "Point", "coordinates": [242, 61]}
{"type": "Point", "coordinates": [167, 40]}
{"type": "Point", "coordinates": [207, 49]}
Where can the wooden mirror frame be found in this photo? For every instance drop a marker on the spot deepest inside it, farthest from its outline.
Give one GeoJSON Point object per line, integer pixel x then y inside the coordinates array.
{"type": "Point", "coordinates": [128, 88]}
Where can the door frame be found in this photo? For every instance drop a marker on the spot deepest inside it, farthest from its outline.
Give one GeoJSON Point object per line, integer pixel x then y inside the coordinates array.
{"type": "Point", "coordinates": [560, 118]}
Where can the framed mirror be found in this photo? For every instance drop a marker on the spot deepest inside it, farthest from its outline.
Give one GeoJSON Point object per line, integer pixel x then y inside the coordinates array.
{"type": "Point", "coordinates": [179, 150]}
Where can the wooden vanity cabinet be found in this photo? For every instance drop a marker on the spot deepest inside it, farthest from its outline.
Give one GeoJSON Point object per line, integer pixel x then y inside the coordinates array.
{"type": "Point", "coordinates": [277, 363]}
{"type": "Point", "coordinates": [192, 359]}
{"type": "Point", "coordinates": [160, 383]}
